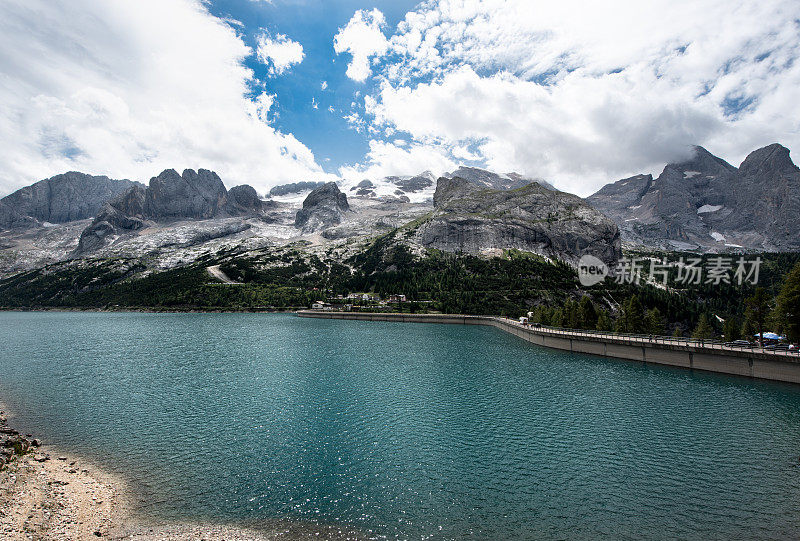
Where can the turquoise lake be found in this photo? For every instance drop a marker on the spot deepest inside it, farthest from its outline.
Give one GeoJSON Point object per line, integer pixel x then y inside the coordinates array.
{"type": "Point", "coordinates": [404, 431]}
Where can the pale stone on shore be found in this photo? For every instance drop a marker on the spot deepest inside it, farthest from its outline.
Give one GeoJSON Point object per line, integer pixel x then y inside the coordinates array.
{"type": "Point", "coordinates": [41, 499]}
{"type": "Point", "coordinates": [60, 500]}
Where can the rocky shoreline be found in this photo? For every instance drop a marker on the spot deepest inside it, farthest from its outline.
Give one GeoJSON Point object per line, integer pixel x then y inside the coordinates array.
{"type": "Point", "coordinates": [48, 495]}
{"type": "Point", "coordinates": [13, 444]}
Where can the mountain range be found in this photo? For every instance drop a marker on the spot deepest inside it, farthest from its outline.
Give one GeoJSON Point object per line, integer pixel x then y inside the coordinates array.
{"type": "Point", "coordinates": [178, 218]}
{"type": "Point", "coordinates": [707, 204]}
{"type": "Point", "coordinates": [169, 196]}
{"type": "Point", "coordinates": [703, 203]}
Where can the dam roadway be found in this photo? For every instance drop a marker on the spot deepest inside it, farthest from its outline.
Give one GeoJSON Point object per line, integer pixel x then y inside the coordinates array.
{"type": "Point", "coordinates": [710, 356]}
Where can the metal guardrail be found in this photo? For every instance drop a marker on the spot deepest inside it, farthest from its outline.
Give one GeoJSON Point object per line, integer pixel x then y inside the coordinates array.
{"type": "Point", "coordinates": [656, 339]}
{"type": "Point", "coordinates": [624, 338]}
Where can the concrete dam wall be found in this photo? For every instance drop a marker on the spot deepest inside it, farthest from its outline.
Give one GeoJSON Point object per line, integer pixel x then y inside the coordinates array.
{"type": "Point", "coordinates": [775, 366]}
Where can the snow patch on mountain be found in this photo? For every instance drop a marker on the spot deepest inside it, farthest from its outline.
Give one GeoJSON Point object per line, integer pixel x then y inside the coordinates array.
{"type": "Point", "coordinates": [417, 188]}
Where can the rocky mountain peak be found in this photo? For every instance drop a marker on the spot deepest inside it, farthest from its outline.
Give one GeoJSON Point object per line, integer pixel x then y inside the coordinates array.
{"type": "Point", "coordinates": [768, 160]}
{"type": "Point", "coordinates": [365, 188]}
{"type": "Point", "coordinates": [194, 194]}
{"type": "Point", "coordinates": [495, 181]}
{"type": "Point", "coordinates": [244, 199]}
{"type": "Point", "coordinates": [323, 208]}
{"type": "Point", "coordinates": [169, 196]}
{"type": "Point", "coordinates": [327, 193]}
{"type": "Point", "coordinates": [625, 192]}
{"type": "Point", "coordinates": [448, 188]}
{"type": "Point", "coordinates": [62, 198]}
{"type": "Point", "coordinates": [488, 179]}
{"type": "Point", "coordinates": [703, 163]}
{"type": "Point", "coordinates": [474, 219]}
{"type": "Point", "coordinates": [705, 202]}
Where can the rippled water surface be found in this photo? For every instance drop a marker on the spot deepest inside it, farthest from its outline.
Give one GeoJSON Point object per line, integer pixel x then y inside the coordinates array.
{"type": "Point", "coordinates": [404, 430]}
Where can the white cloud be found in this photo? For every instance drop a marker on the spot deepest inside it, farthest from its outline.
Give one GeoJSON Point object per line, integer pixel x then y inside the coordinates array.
{"type": "Point", "coordinates": [234, 22]}
{"type": "Point", "coordinates": [399, 158]}
{"type": "Point", "coordinates": [581, 95]}
{"type": "Point", "coordinates": [521, 126]}
{"type": "Point", "coordinates": [279, 53]}
{"type": "Point", "coordinates": [86, 87]}
{"type": "Point", "coordinates": [355, 121]}
{"type": "Point", "coordinates": [363, 38]}
{"type": "Point", "coordinates": [261, 106]}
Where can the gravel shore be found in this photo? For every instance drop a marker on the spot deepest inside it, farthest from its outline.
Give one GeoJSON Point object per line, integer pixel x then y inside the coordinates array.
{"type": "Point", "coordinates": [54, 497]}
{"type": "Point", "coordinates": [46, 495]}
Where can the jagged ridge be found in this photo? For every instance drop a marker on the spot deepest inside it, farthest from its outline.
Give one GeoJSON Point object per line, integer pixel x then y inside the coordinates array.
{"type": "Point", "coordinates": [707, 203]}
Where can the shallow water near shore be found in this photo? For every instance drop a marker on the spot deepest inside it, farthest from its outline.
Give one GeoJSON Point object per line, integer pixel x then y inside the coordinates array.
{"type": "Point", "coordinates": [403, 431]}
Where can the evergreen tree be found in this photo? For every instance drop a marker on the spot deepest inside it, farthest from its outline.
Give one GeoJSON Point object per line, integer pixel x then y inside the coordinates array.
{"type": "Point", "coordinates": [704, 330]}
{"type": "Point", "coordinates": [787, 309]}
{"type": "Point", "coordinates": [571, 319]}
{"type": "Point", "coordinates": [748, 328]}
{"type": "Point", "coordinates": [654, 321]}
{"type": "Point", "coordinates": [619, 324]}
{"type": "Point", "coordinates": [541, 315]}
{"type": "Point", "coordinates": [732, 329]}
{"type": "Point", "coordinates": [634, 316]}
{"type": "Point", "coordinates": [759, 310]}
{"type": "Point", "coordinates": [604, 322]}
{"type": "Point", "coordinates": [588, 315]}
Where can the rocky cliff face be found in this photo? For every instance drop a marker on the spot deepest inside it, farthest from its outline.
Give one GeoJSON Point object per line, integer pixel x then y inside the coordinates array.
{"type": "Point", "coordinates": [199, 194]}
{"type": "Point", "coordinates": [452, 188]}
{"type": "Point", "coordinates": [765, 200]}
{"type": "Point", "coordinates": [60, 199]}
{"type": "Point", "coordinates": [126, 212]}
{"type": "Point", "coordinates": [243, 200]}
{"type": "Point", "coordinates": [323, 208]}
{"type": "Point", "coordinates": [475, 220]}
{"type": "Point", "coordinates": [10, 218]}
{"type": "Point", "coordinates": [707, 203]}
{"type": "Point", "coordinates": [193, 195]}
{"type": "Point", "coordinates": [614, 199]}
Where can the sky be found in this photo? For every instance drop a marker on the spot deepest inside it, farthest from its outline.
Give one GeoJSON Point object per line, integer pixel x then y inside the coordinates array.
{"type": "Point", "coordinates": [266, 92]}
